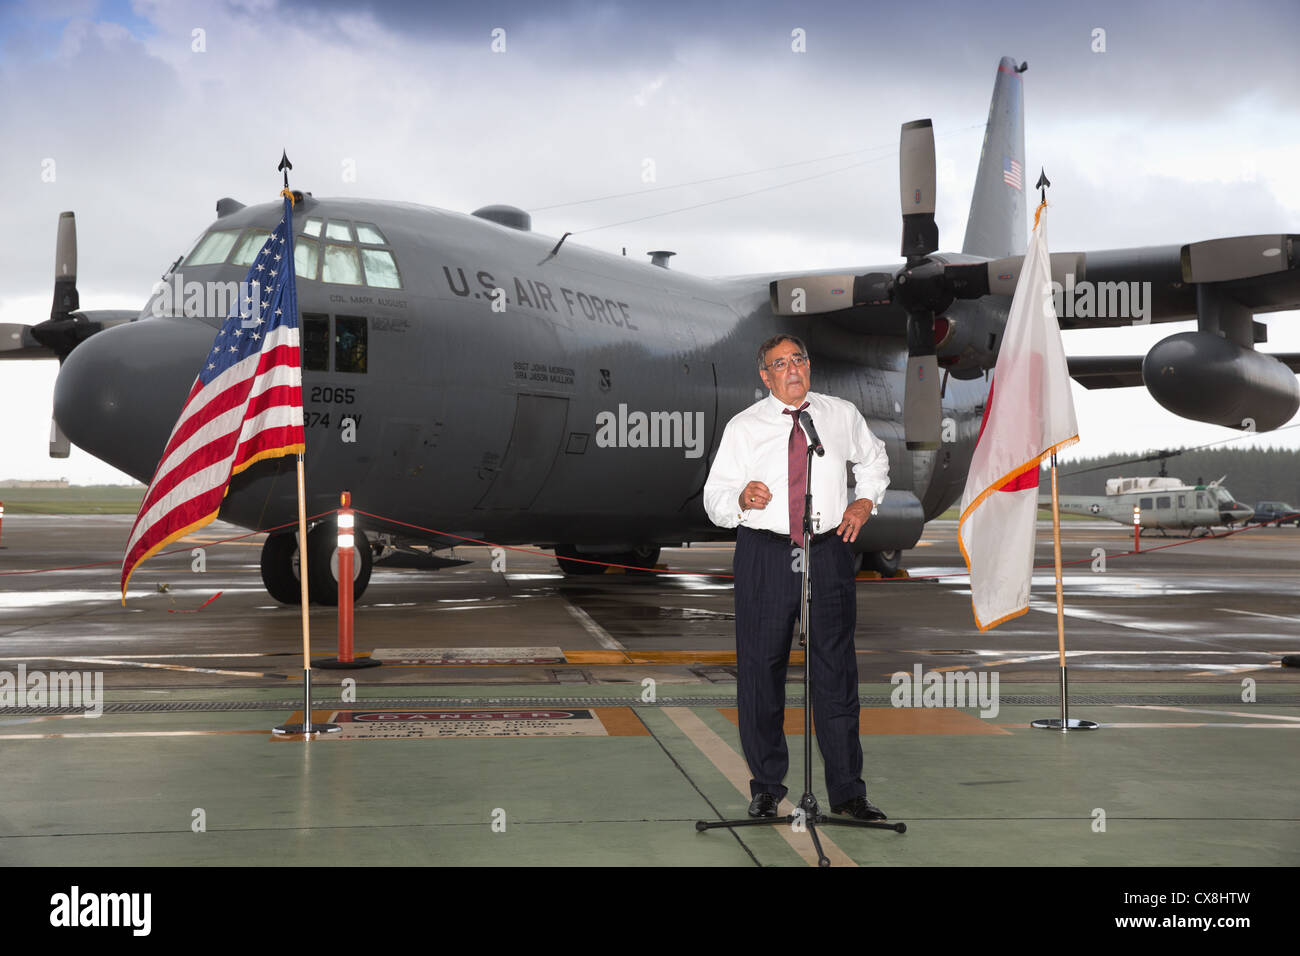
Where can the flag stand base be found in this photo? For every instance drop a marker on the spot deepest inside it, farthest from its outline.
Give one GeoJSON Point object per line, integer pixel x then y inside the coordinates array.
{"type": "Point", "coordinates": [306, 728]}
{"type": "Point", "coordinates": [1072, 723]}
{"type": "Point", "coordinates": [333, 663]}
{"type": "Point", "coordinates": [1065, 722]}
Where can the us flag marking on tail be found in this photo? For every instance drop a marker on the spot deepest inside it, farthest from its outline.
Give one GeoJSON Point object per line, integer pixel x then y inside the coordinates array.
{"type": "Point", "coordinates": [1012, 173]}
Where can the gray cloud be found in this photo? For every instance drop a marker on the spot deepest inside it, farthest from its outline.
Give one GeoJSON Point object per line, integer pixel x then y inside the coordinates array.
{"type": "Point", "coordinates": [147, 133]}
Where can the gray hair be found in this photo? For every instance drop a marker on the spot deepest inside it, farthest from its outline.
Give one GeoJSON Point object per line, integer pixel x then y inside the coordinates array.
{"type": "Point", "coordinates": [773, 342]}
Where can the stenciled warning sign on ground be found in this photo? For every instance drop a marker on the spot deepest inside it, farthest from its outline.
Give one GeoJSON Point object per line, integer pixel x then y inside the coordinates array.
{"type": "Point", "coordinates": [475, 721]}
{"type": "Point", "coordinates": [469, 722]}
{"type": "Point", "coordinates": [415, 656]}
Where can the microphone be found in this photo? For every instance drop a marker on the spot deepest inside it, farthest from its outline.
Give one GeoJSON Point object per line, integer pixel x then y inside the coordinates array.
{"type": "Point", "coordinates": [806, 420]}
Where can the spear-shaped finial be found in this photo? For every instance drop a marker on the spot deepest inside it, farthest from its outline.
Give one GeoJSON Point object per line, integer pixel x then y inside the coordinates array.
{"type": "Point", "coordinates": [1042, 184]}
{"type": "Point", "coordinates": [286, 166]}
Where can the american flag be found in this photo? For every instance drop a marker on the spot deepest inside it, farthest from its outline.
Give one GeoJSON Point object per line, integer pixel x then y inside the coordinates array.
{"type": "Point", "coordinates": [1012, 173]}
{"type": "Point", "coordinates": [245, 405]}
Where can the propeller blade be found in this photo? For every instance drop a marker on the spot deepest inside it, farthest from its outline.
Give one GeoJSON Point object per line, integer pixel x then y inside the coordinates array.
{"type": "Point", "coordinates": [59, 446]}
{"type": "Point", "coordinates": [916, 178]}
{"type": "Point", "coordinates": [66, 300]}
{"type": "Point", "coordinates": [17, 342]}
{"type": "Point", "coordinates": [921, 405]}
{"type": "Point", "coordinates": [811, 295]}
{"type": "Point", "coordinates": [1000, 276]}
{"type": "Point", "coordinates": [1239, 257]}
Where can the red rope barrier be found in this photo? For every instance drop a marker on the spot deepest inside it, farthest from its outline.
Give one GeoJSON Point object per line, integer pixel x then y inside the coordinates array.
{"type": "Point", "coordinates": [536, 551]}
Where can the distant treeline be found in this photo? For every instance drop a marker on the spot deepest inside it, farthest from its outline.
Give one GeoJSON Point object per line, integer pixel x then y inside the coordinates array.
{"type": "Point", "coordinates": [1254, 474]}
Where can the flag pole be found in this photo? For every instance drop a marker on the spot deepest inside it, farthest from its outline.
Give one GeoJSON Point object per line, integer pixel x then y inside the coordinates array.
{"type": "Point", "coordinates": [306, 729]}
{"type": "Point", "coordinates": [1064, 723]}
{"type": "Point", "coordinates": [1060, 596]}
{"type": "Point", "coordinates": [306, 618]}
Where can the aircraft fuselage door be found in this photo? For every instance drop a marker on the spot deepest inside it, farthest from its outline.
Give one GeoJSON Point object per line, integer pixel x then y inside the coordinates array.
{"type": "Point", "coordinates": [534, 444]}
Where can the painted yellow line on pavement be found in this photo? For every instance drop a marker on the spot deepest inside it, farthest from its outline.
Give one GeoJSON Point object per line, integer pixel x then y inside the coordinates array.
{"type": "Point", "coordinates": [733, 767]}
{"type": "Point", "coordinates": [123, 662]}
{"type": "Point", "coordinates": [667, 657]}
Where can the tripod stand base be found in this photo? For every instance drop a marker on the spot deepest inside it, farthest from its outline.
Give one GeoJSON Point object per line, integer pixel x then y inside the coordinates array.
{"type": "Point", "coordinates": [820, 819]}
{"type": "Point", "coordinates": [810, 821]}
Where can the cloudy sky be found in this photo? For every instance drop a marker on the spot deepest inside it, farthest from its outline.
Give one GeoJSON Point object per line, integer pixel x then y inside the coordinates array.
{"type": "Point", "coordinates": [1186, 127]}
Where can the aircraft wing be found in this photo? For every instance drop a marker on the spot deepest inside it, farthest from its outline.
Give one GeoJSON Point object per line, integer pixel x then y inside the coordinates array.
{"type": "Point", "coordinates": [1125, 371]}
{"type": "Point", "coordinates": [1214, 374]}
{"type": "Point", "coordinates": [1247, 274]}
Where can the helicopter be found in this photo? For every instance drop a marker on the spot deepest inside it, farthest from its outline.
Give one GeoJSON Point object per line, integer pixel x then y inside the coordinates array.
{"type": "Point", "coordinates": [1161, 503]}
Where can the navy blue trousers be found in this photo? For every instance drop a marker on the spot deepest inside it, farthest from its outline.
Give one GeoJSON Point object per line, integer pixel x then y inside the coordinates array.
{"type": "Point", "coordinates": [768, 592]}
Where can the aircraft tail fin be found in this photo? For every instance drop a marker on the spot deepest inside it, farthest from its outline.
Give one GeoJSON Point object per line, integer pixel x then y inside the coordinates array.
{"type": "Point", "coordinates": [997, 224]}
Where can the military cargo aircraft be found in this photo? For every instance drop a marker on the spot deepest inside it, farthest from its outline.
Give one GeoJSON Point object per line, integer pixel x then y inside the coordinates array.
{"type": "Point", "coordinates": [1162, 504]}
{"type": "Point", "coordinates": [501, 386]}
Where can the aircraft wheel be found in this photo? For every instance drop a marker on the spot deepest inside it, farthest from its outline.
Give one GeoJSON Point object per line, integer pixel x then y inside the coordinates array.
{"type": "Point", "coordinates": [564, 555]}
{"type": "Point", "coordinates": [323, 565]}
{"type": "Point", "coordinates": [886, 562]}
{"type": "Point", "coordinates": [280, 568]}
{"type": "Point", "coordinates": [646, 557]}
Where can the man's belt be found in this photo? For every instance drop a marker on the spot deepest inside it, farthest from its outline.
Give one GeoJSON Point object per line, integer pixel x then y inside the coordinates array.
{"type": "Point", "coordinates": [785, 538]}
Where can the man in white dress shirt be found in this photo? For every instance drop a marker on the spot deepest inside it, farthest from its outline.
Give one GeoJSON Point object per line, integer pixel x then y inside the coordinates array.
{"type": "Point", "coordinates": [756, 485]}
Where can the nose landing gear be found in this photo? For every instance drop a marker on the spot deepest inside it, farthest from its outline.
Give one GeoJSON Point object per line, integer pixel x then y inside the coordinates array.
{"type": "Point", "coordinates": [280, 565]}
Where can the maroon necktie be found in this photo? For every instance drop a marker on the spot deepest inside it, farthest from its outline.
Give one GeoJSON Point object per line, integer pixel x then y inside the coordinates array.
{"type": "Point", "coordinates": [798, 470]}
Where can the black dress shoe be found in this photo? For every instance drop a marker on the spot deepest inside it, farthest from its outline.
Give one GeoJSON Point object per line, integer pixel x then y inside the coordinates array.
{"type": "Point", "coordinates": [860, 808]}
{"type": "Point", "coordinates": [763, 805]}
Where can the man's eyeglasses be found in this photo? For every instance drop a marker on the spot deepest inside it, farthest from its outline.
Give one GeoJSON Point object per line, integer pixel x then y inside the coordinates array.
{"type": "Point", "coordinates": [798, 360]}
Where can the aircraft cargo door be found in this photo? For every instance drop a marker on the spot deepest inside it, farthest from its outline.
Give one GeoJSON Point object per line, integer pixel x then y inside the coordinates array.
{"type": "Point", "coordinates": [534, 444]}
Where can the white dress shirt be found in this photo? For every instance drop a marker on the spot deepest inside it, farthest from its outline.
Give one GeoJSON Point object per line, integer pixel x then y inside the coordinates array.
{"type": "Point", "coordinates": [755, 447]}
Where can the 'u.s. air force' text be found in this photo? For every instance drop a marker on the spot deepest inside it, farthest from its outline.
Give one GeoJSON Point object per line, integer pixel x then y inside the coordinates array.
{"type": "Point", "coordinates": [535, 294]}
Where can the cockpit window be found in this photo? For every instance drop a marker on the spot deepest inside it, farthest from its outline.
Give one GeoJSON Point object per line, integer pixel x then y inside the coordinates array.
{"type": "Point", "coordinates": [249, 247]}
{"type": "Point", "coordinates": [315, 342]}
{"type": "Point", "coordinates": [381, 270]}
{"type": "Point", "coordinates": [306, 257]}
{"type": "Point", "coordinates": [351, 259]}
{"type": "Point", "coordinates": [341, 265]}
{"type": "Point", "coordinates": [349, 343]}
{"type": "Point", "coordinates": [213, 249]}
{"type": "Point", "coordinates": [341, 231]}
{"type": "Point", "coordinates": [1223, 496]}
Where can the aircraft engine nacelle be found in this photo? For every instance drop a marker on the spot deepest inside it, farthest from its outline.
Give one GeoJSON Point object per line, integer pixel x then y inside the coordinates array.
{"type": "Point", "coordinates": [964, 344]}
{"type": "Point", "coordinates": [1201, 376]}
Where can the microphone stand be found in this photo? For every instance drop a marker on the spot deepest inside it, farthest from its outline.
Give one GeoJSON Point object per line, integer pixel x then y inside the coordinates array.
{"type": "Point", "coordinates": [807, 813]}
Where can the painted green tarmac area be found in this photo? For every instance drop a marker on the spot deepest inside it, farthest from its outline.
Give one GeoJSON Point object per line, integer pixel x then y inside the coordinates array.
{"type": "Point", "coordinates": [1177, 796]}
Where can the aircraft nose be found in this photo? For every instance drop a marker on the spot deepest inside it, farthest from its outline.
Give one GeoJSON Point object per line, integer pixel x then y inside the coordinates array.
{"type": "Point", "coordinates": [119, 393]}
